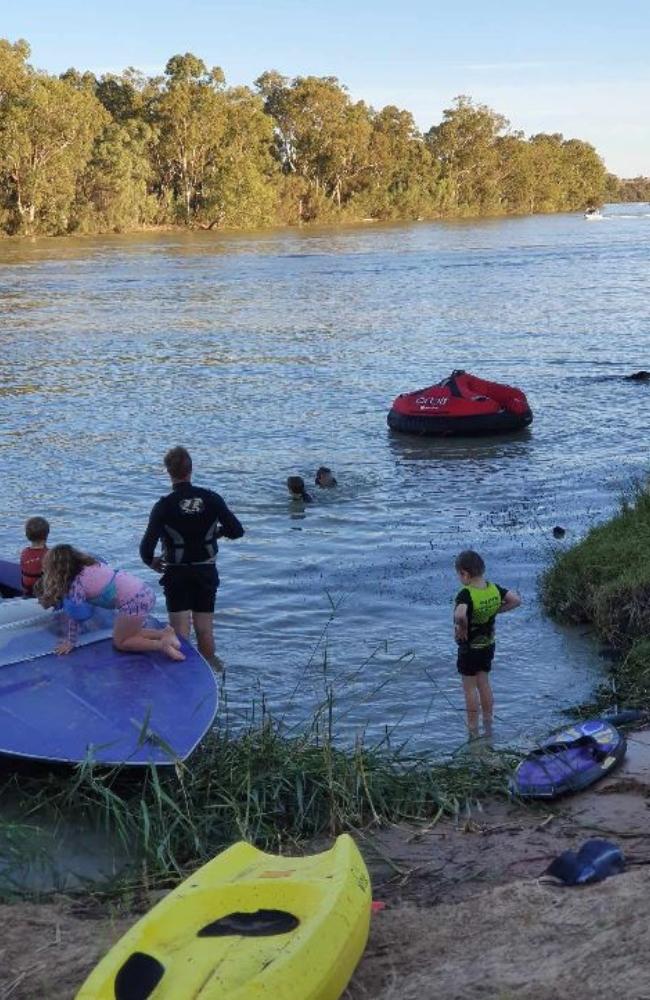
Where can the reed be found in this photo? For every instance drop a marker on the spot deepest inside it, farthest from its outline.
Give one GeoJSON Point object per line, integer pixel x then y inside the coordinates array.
{"type": "Point", "coordinates": [263, 784]}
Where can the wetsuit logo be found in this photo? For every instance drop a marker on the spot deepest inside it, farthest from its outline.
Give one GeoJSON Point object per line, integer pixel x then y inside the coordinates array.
{"type": "Point", "coordinates": [194, 505]}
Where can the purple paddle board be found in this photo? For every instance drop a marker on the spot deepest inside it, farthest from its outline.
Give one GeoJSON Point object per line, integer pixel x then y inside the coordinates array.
{"type": "Point", "coordinates": [116, 708]}
{"type": "Point", "coordinates": [10, 578]}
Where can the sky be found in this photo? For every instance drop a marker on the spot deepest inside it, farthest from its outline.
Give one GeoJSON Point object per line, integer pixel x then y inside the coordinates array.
{"type": "Point", "coordinates": [576, 67]}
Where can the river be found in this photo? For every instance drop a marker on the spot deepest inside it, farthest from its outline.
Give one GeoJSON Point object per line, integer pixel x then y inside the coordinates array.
{"type": "Point", "coordinates": [268, 354]}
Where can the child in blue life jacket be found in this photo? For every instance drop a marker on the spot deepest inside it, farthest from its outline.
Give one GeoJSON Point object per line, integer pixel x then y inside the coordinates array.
{"type": "Point", "coordinates": [476, 607]}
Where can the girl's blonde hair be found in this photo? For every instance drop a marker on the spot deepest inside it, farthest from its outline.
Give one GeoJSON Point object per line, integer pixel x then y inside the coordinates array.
{"type": "Point", "coordinates": [60, 566]}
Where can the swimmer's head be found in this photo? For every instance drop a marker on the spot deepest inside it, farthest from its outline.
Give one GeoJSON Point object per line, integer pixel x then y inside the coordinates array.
{"type": "Point", "coordinates": [325, 477]}
{"type": "Point", "coordinates": [36, 530]}
{"type": "Point", "coordinates": [296, 486]}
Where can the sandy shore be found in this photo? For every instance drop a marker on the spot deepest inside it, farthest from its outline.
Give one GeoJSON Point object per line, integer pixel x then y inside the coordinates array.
{"type": "Point", "coordinates": [466, 915]}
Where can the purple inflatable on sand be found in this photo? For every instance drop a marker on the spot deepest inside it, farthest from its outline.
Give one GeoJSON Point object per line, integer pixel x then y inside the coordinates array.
{"type": "Point", "coordinates": [569, 760]}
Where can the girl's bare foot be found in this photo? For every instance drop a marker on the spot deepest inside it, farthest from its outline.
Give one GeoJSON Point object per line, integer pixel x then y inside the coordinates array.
{"type": "Point", "coordinates": [171, 651]}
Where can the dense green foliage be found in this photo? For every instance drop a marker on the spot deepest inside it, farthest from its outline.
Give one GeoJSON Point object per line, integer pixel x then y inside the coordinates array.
{"type": "Point", "coordinates": [605, 581]}
{"type": "Point", "coordinates": [85, 154]}
{"type": "Point", "coordinates": [632, 189]}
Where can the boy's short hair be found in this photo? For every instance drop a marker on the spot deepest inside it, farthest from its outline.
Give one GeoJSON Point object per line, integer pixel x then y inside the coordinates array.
{"type": "Point", "coordinates": [296, 484]}
{"type": "Point", "coordinates": [470, 562]}
{"type": "Point", "coordinates": [37, 529]}
{"type": "Point", "coordinates": [178, 462]}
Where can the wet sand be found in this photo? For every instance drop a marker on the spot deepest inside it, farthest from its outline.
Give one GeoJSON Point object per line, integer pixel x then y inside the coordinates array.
{"type": "Point", "coordinates": [466, 916]}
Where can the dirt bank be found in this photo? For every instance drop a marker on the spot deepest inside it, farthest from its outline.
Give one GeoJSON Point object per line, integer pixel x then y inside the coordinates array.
{"type": "Point", "coordinates": [466, 916]}
{"type": "Point", "coordinates": [522, 941]}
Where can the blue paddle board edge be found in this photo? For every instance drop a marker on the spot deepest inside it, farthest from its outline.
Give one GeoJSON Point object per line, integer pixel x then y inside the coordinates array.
{"type": "Point", "coordinates": [133, 761]}
{"type": "Point", "coordinates": [142, 755]}
{"type": "Point", "coordinates": [8, 755]}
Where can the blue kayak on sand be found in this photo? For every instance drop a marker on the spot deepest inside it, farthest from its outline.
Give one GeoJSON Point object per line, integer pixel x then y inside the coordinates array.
{"type": "Point", "coordinates": [96, 702]}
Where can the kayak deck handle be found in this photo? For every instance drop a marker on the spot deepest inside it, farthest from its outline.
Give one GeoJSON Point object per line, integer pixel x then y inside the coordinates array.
{"type": "Point", "coordinates": [138, 977]}
{"type": "Point", "coordinates": [260, 923]}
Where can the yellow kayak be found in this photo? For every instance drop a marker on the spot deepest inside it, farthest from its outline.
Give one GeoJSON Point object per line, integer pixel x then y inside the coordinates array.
{"type": "Point", "coordinates": [247, 925]}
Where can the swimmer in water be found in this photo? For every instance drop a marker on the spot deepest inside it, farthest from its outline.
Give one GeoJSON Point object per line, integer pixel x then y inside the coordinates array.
{"type": "Point", "coordinates": [296, 487]}
{"type": "Point", "coordinates": [325, 478]}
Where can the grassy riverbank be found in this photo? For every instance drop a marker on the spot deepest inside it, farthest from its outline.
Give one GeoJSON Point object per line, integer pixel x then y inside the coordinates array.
{"type": "Point", "coordinates": [264, 785]}
{"type": "Point", "coordinates": [605, 581]}
{"type": "Point", "coordinates": [282, 789]}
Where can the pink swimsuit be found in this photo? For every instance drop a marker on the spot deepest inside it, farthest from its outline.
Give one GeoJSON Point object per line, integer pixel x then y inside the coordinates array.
{"type": "Point", "coordinates": [132, 596]}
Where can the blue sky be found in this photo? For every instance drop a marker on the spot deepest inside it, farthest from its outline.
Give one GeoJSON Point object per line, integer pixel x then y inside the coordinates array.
{"type": "Point", "coordinates": [576, 67]}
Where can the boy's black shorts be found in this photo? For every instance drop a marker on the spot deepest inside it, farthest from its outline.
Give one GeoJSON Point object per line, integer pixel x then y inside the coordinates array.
{"type": "Point", "coordinates": [474, 661]}
{"type": "Point", "coordinates": [190, 588]}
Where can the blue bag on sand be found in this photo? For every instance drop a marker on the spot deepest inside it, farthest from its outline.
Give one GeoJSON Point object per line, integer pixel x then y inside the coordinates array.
{"type": "Point", "coordinates": [596, 860]}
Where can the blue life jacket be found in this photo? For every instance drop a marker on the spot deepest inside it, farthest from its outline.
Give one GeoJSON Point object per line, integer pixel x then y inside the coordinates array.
{"type": "Point", "coordinates": [81, 611]}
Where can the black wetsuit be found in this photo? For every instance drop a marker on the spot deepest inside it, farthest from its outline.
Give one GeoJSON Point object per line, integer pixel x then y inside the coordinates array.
{"type": "Point", "coordinates": [188, 522]}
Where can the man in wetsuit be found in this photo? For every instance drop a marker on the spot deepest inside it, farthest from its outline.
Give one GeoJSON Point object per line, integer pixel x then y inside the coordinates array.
{"type": "Point", "coordinates": [188, 522]}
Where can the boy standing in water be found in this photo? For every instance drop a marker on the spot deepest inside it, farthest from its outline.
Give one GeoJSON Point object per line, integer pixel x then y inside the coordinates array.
{"type": "Point", "coordinates": [477, 605]}
{"type": "Point", "coordinates": [37, 530]}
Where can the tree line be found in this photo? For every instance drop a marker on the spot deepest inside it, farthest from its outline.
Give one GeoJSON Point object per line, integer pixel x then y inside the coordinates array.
{"type": "Point", "coordinates": [630, 189]}
{"type": "Point", "coordinates": [85, 154]}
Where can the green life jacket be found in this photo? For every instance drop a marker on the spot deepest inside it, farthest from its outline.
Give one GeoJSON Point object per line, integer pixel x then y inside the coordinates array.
{"type": "Point", "coordinates": [484, 604]}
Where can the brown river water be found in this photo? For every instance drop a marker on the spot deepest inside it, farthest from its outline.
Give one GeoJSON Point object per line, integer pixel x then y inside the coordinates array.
{"type": "Point", "coordinates": [268, 354]}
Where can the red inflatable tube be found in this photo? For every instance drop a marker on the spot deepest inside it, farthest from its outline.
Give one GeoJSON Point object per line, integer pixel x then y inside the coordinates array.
{"type": "Point", "coordinates": [461, 404]}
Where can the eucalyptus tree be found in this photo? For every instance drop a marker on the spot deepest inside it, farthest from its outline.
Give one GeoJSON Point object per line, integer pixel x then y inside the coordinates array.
{"type": "Point", "coordinates": [516, 173]}
{"type": "Point", "coordinates": [47, 130]}
{"type": "Point", "coordinates": [190, 112]}
{"type": "Point", "coordinates": [115, 191]}
{"type": "Point", "coordinates": [465, 147]}
{"type": "Point", "coordinates": [240, 184]}
{"type": "Point", "coordinates": [322, 136]}
{"type": "Point", "coordinates": [14, 69]}
{"type": "Point", "coordinates": [401, 174]}
{"type": "Point", "coordinates": [128, 95]}
{"type": "Point", "coordinates": [584, 174]}
{"type": "Point", "coordinates": [548, 171]}
{"type": "Point", "coordinates": [628, 189]}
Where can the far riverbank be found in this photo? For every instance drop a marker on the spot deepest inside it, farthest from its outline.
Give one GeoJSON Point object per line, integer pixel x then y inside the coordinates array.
{"type": "Point", "coordinates": [334, 221]}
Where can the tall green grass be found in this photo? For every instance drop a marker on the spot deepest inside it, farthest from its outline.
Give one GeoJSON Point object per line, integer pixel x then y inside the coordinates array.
{"type": "Point", "coordinates": [604, 581]}
{"type": "Point", "coordinates": [276, 785]}
{"type": "Point", "coordinates": [261, 784]}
